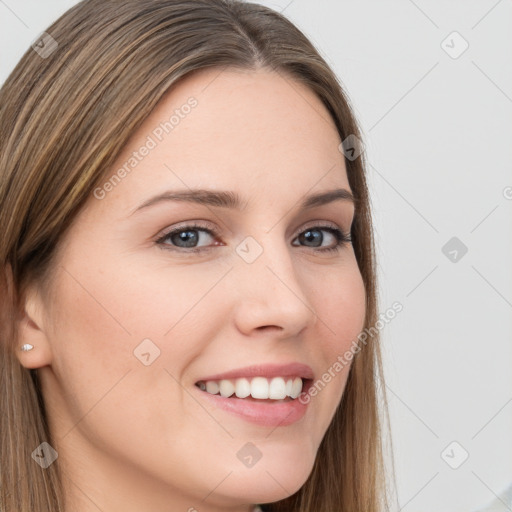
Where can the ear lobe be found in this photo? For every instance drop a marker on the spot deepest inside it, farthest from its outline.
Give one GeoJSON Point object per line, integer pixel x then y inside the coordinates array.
{"type": "Point", "coordinates": [31, 331]}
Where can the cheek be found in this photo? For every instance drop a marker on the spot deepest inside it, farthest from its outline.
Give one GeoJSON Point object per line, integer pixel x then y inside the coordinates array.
{"type": "Point", "coordinates": [106, 310]}
{"type": "Point", "coordinates": [341, 309]}
{"type": "Point", "coordinates": [102, 314]}
{"type": "Point", "coordinates": [352, 307]}
{"type": "Point", "coordinates": [128, 301]}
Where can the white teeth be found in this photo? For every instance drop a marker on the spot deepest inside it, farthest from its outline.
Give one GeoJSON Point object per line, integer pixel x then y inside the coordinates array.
{"type": "Point", "coordinates": [277, 388]}
{"type": "Point", "coordinates": [289, 385]}
{"type": "Point", "coordinates": [242, 388]}
{"type": "Point", "coordinates": [226, 388]}
{"type": "Point", "coordinates": [296, 388]}
{"type": "Point", "coordinates": [259, 388]}
{"type": "Point", "coordinates": [212, 387]}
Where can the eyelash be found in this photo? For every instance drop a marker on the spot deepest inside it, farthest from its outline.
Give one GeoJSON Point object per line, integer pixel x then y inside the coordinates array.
{"type": "Point", "coordinates": [342, 238]}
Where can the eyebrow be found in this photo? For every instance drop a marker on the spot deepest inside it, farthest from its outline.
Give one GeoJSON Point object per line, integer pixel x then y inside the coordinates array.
{"type": "Point", "coordinates": [229, 199]}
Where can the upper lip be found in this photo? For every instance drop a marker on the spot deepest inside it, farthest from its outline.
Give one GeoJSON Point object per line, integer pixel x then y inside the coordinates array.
{"type": "Point", "coordinates": [265, 370]}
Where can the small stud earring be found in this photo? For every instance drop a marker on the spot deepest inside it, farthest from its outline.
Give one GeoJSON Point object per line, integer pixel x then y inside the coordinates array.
{"type": "Point", "coordinates": [27, 347]}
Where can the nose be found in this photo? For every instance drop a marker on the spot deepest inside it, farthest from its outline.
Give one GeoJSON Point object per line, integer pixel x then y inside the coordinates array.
{"type": "Point", "coordinates": [270, 294]}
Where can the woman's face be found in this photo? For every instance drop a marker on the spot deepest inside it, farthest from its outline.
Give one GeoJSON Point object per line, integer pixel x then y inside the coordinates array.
{"type": "Point", "coordinates": [140, 318]}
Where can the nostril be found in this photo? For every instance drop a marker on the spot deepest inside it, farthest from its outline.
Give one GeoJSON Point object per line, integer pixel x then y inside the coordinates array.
{"type": "Point", "coordinates": [271, 327]}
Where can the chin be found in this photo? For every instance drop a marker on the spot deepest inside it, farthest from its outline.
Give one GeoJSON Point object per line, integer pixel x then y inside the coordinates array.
{"type": "Point", "coordinates": [274, 477]}
{"type": "Point", "coordinates": [267, 487]}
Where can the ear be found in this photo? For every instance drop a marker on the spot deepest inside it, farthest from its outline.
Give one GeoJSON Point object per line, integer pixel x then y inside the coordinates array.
{"type": "Point", "coordinates": [31, 331]}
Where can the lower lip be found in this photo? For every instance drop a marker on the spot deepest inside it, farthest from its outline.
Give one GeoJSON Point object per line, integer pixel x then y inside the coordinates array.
{"type": "Point", "coordinates": [279, 414]}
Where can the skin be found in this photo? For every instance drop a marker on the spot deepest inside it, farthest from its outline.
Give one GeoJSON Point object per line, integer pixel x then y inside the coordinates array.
{"type": "Point", "coordinates": [131, 437]}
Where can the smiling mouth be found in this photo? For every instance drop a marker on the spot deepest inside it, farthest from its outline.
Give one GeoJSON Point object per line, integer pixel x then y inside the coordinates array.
{"type": "Point", "coordinates": [256, 389]}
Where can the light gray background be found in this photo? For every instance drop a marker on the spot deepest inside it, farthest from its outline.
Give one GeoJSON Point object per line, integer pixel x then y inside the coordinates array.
{"type": "Point", "coordinates": [438, 134]}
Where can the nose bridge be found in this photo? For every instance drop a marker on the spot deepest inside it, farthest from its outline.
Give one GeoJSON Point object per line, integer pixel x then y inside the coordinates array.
{"type": "Point", "coordinates": [269, 282]}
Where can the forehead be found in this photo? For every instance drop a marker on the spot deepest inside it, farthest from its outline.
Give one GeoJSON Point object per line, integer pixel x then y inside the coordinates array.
{"type": "Point", "coordinates": [252, 131]}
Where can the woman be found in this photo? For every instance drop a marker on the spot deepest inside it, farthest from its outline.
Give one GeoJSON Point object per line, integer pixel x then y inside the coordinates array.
{"type": "Point", "coordinates": [188, 269]}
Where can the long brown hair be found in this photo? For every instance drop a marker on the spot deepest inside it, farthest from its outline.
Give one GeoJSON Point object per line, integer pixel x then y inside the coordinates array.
{"type": "Point", "coordinates": [66, 112]}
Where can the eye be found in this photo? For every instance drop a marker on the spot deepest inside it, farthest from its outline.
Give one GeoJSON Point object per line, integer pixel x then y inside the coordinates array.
{"type": "Point", "coordinates": [186, 238]}
{"type": "Point", "coordinates": [313, 235]}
